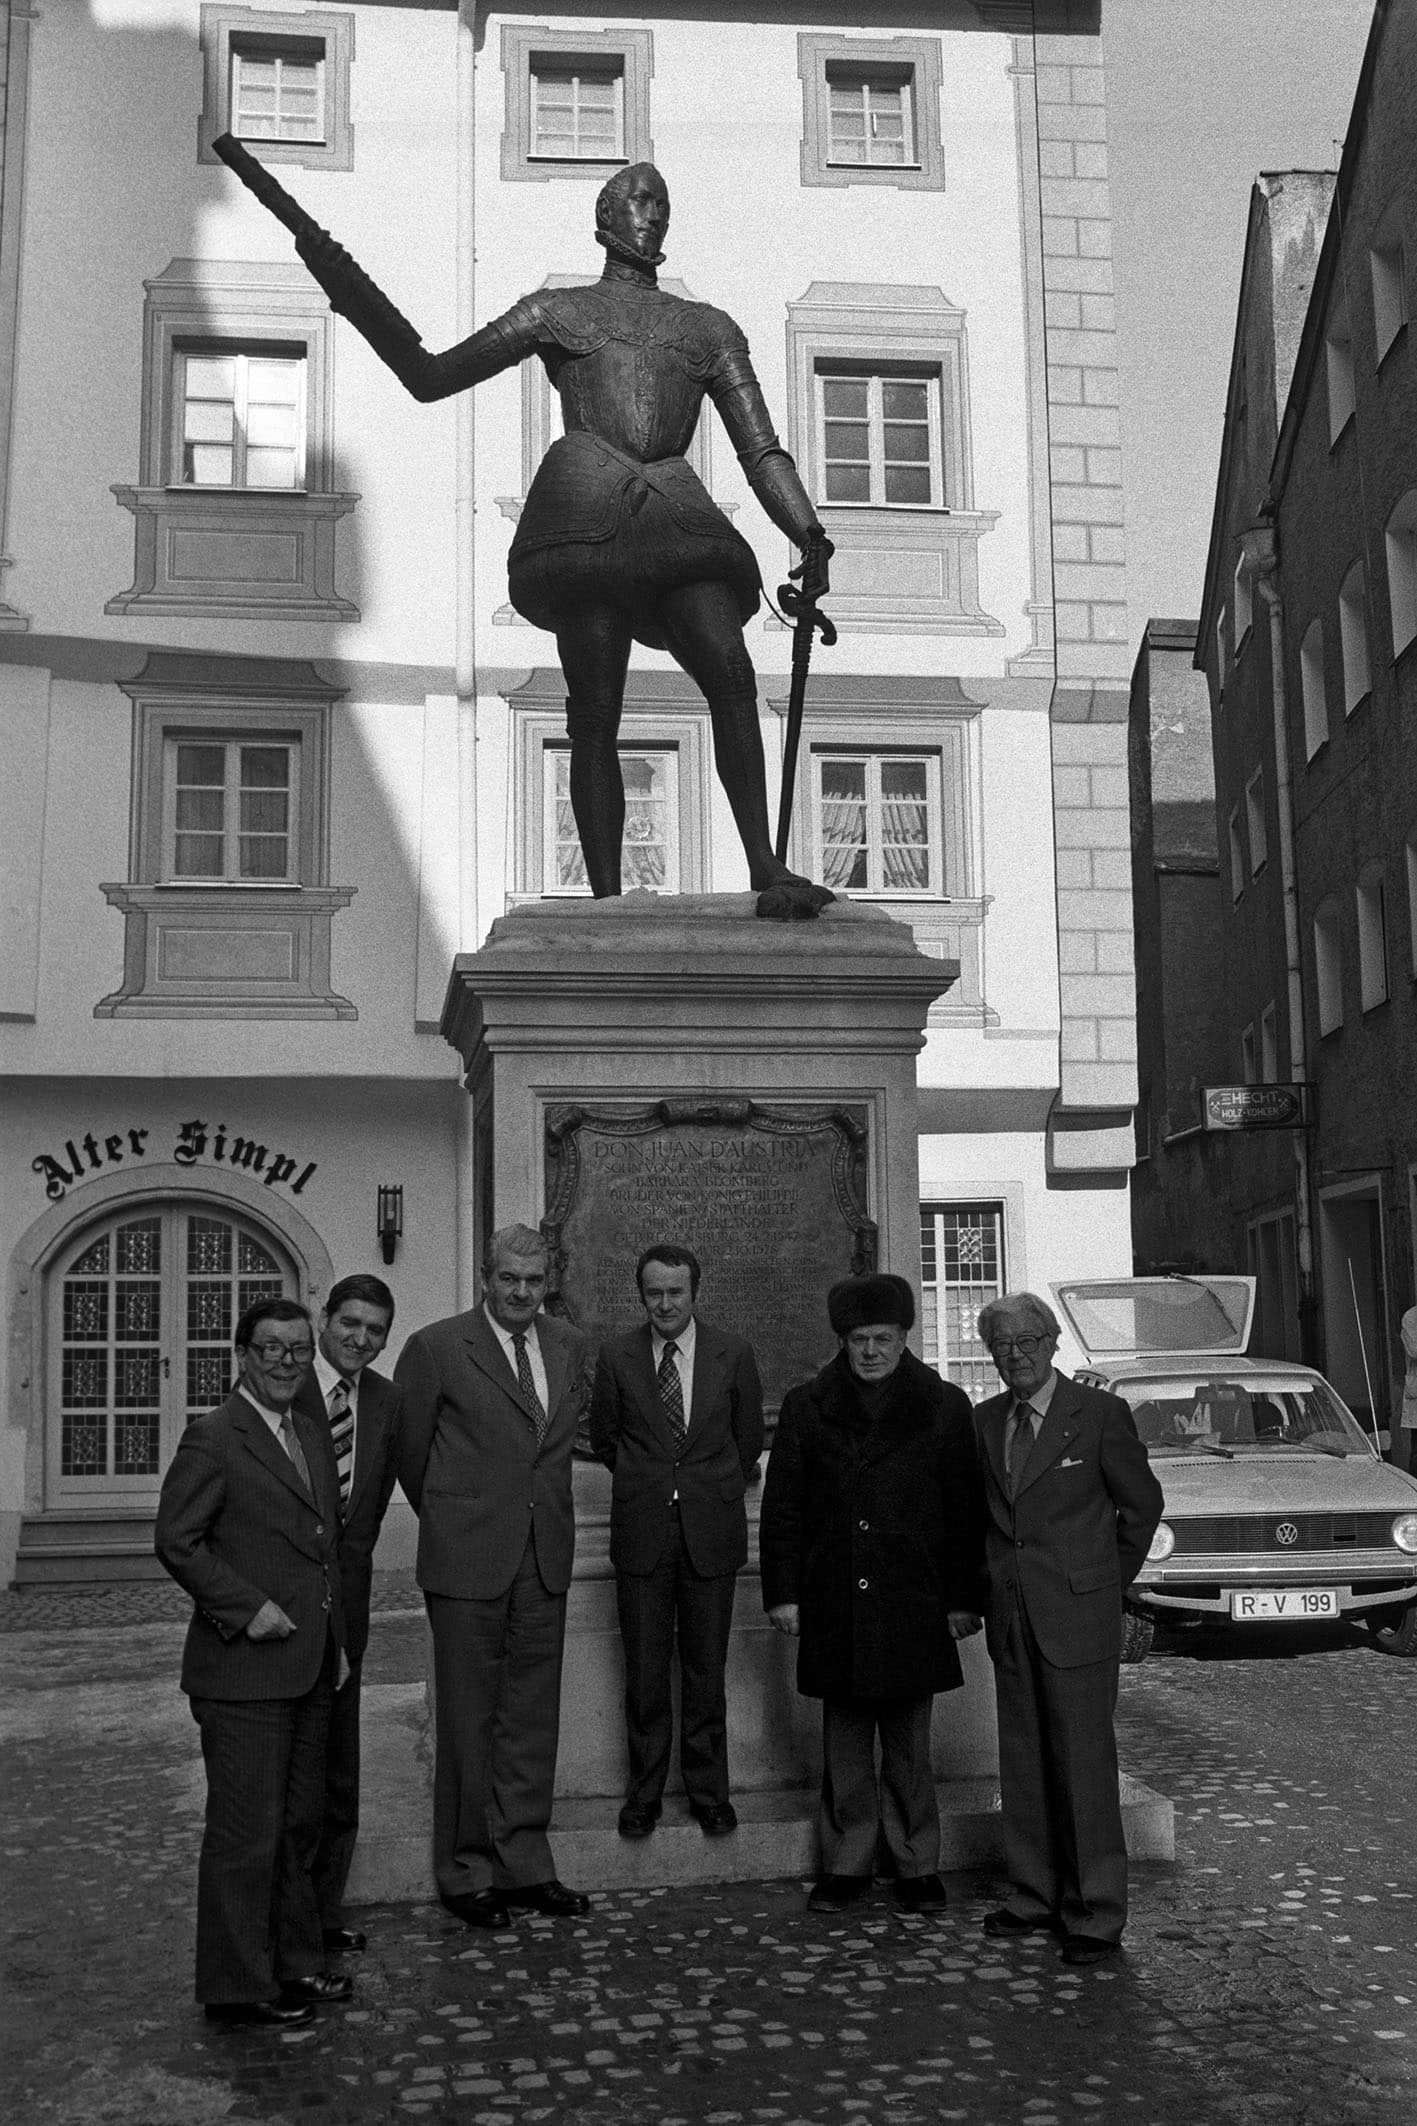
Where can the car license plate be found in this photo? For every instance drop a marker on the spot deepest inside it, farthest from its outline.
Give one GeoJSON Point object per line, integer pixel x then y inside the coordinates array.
{"type": "Point", "coordinates": [1257, 1604]}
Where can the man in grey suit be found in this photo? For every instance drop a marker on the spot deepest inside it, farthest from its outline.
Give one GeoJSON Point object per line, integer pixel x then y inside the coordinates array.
{"type": "Point", "coordinates": [492, 1399]}
{"type": "Point", "coordinates": [1072, 1507]}
{"type": "Point", "coordinates": [677, 1413]}
{"type": "Point", "coordinates": [361, 1409]}
{"type": "Point", "coordinates": [248, 1524]}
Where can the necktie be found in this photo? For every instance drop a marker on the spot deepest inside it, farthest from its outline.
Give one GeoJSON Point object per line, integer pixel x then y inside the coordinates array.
{"type": "Point", "coordinates": [671, 1394]}
{"type": "Point", "coordinates": [1020, 1444]}
{"type": "Point", "coordinates": [342, 1433]}
{"type": "Point", "coordinates": [527, 1384]}
{"type": "Point", "coordinates": [296, 1452]}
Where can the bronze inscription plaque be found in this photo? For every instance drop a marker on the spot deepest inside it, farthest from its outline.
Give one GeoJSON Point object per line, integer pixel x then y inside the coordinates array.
{"type": "Point", "coordinates": [770, 1199]}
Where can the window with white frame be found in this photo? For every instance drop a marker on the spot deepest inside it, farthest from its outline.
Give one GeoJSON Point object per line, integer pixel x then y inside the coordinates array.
{"type": "Point", "coordinates": [650, 847]}
{"type": "Point", "coordinates": [1338, 348]}
{"type": "Point", "coordinates": [871, 110]}
{"type": "Point", "coordinates": [1400, 540]}
{"type": "Point", "coordinates": [239, 417]}
{"type": "Point", "coordinates": [1242, 602]}
{"type": "Point", "coordinates": [1311, 685]}
{"type": "Point", "coordinates": [877, 821]}
{"type": "Point", "coordinates": [231, 808]}
{"type": "Point", "coordinates": [879, 437]}
{"type": "Point", "coordinates": [235, 509]}
{"type": "Point", "coordinates": [227, 904]}
{"type": "Point", "coordinates": [577, 110]}
{"type": "Point", "coordinates": [279, 79]}
{"type": "Point", "coordinates": [961, 1270]}
{"type": "Point", "coordinates": [1249, 1056]}
{"type": "Point", "coordinates": [1328, 966]}
{"type": "Point", "coordinates": [577, 101]}
{"type": "Point", "coordinates": [1353, 637]}
{"type": "Point", "coordinates": [1254, 819]}
{"type": "Point", "coordinates": [1387, 262]}
{"type": "Point", "coordinates": [1221, 647]}
{"type": "Point", "coordinates": [1269, 1045]}
{"type": "Point", "coordinates": [1237, 855]}
{"type": "Point", "coordinates": [1371, 908]}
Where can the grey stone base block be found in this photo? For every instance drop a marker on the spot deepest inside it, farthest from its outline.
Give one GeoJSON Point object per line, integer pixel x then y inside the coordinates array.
{"type": "Point", "coordinates": [776, 1833]}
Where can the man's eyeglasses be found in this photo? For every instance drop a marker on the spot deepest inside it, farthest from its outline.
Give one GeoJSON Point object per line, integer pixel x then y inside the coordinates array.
{"type": "Point", "coordinates": [292, 1354]}
{"type": "Point", "coordinates": [1026, 1344]}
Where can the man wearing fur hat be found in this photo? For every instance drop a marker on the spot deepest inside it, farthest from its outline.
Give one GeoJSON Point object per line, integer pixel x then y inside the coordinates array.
{"type": "Point", "coordinates": [871, 1542]}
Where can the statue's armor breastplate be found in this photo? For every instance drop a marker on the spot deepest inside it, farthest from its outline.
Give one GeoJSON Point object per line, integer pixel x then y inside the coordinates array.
{"type": "Point", "coordinates": [631, 365]}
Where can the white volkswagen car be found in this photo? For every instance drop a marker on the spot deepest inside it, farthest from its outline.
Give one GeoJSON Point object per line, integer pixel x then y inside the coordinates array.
{"type": "Point", "coordinates": [1279, 1506]}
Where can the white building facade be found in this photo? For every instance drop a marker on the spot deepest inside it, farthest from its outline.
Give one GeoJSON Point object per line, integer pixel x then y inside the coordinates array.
{"type": "Point", "coordinates": [278, 746]}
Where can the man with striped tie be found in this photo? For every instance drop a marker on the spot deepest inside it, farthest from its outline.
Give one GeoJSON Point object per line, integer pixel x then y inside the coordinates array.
{"type": "Point", "coordinates": [677, 1413]}
{"type": "Point", "coordinates": [362, 1409]}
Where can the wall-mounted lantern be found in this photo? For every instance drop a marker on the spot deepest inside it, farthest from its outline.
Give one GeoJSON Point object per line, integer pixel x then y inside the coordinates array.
{"type": "Point", "coordinates": [389, 1220]}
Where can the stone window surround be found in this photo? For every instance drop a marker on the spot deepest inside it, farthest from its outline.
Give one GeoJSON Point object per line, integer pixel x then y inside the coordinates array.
{"type": "Point", "coordinates": [220, 25]}
{"type": "Point", "coordinates": [664, 711]}
{"type": "Point", "coordinates": [916, 57]}
{"type": "Point", "coordinates": [251, 552]}
{"type": "Point", "coordinates": [522, 43]}
{"type": "Point", "coordinates": [224, 950]}
{"type": "Point", "coordinates": [871, 714]}
{"type": "Point", "coordinates": [914, 328]}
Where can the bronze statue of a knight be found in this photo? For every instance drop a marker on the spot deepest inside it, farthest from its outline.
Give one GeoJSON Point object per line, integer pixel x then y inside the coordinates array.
{"type": "Point", "coordinates": [619, 541]}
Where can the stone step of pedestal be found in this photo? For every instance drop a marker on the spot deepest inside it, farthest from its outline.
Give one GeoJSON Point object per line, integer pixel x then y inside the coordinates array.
{"type": "Point", "coordinates": [776, 1833]}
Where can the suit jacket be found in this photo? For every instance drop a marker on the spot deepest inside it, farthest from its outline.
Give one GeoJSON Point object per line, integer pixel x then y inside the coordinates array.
{"type": "Point", "coordinates": [630, 1433]}
{"type": "Point", "coordinates": [237, 1528]}
{"type": "Point", "coordinates": [378, 1404]}
{"type": "Point", "coordinates": [469, 1461]}
{"type": "Point", "coordinates": [1077, 1532]}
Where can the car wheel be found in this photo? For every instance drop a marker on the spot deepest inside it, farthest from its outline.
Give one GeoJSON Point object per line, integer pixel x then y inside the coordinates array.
{"type": "Point", "coordinates": [1394, 1631]}
{"type": "Point", "coordinates": [1138, 1631]}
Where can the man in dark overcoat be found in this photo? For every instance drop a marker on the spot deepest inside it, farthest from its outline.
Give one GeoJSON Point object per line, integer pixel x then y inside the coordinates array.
{"type": "Point", "coordinates": [871, 1538]}
{"type": "Point", "coordinates": [1072, 1506]}
{"type": "Point", "coordinates": [677, 1413]}
{"type": "Point", "coordinates": [248, 1524]}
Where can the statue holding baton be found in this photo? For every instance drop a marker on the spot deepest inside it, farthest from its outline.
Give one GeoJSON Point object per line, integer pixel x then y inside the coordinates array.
{"type": "Point", "coordinates": [619, 542]}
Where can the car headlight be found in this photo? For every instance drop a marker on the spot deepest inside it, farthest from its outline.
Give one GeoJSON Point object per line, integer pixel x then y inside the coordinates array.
{"type": "Point", "coordinates": [1404, 1532]}
{"type": "Point", "coordinates": [1164, 1540]}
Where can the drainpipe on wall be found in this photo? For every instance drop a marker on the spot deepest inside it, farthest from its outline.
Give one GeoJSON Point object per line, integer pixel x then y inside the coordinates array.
{"type": "Point", "coordinates": [467, 1210]}
{"type": "Point", "coordinates": [1260, 546]}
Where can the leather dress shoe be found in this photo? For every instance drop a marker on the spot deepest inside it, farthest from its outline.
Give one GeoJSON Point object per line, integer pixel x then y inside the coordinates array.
{"type": "Point", "coordinates": [480, 1908]}
{"type": "Point", "coordinates": [920, 1893]}
{"type": "Point", "coordinates": [835, 1892]}
{"type": "Point", "coordinates": [552, 1899]}
{"type": "Point", "coordinates": [321, 1988]}
{"type": "Point", "coordinates": [1088, 1948]}
{"type": "Point", "coordinates": [345, 1940]}
{"type": "Point", "coordinates": [637, 1822]}
{"type": "Point", "coordinates": [715, 1818]}
{"type": "Point", "coordinates": [275, 2015]}
{"type": "Point", "coordinates": [1006, 1925]}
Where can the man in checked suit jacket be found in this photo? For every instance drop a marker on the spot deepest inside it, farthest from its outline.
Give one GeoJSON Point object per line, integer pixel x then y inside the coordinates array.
{"type": "Point", "coordinates": [354, 1327]}
{"type": "Point", "coordinates": [492, 1399]}
{"type": "Point", "coordinates": [248, 1523]}
{"type": "Point", "coordinates": [677, 1413]}
{"type": "Point", "coordinates": [1072, 1507]}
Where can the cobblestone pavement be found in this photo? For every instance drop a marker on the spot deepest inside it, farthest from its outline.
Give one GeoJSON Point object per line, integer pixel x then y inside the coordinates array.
{"type": "Point", "coordinates": [1270, 1978]}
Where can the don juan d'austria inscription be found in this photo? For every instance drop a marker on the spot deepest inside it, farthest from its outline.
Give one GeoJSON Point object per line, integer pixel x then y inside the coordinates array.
{"type": "Point", "coordinates": [771, 1199]}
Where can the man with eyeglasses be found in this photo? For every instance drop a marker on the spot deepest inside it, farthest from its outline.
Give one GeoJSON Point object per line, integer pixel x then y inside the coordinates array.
{"type": "Point", "coordinates": [248, 1523]}
{"type": "Point", "coordinates": [1072, 1506]}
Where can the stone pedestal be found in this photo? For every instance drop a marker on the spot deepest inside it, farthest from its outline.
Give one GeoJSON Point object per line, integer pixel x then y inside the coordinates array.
{"type": "Point", "coordinates": [677, 1069]}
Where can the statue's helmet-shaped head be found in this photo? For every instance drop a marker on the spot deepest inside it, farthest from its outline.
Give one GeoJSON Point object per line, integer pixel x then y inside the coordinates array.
{"type": "Point", "coordinates": [632, 213]}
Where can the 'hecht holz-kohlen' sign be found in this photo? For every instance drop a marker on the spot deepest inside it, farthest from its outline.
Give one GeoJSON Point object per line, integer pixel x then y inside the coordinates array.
{"type": "Point", "coordinates": [1256, 1106]}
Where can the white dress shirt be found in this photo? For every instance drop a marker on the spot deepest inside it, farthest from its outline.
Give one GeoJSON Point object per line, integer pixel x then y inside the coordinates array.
{"type": "Point", "coordinates": [326, 1375]}
{"type": "Point", "coordinates": [533, 1352]}
{"type": "Point", "coordinates": [1034, 1409]}
{"type": "Point", "coordinates": [683, 1361]}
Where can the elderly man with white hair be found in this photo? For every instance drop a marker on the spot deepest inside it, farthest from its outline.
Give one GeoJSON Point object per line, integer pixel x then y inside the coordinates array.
{"type": "Point", "coordinates": [1072, 1508]}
